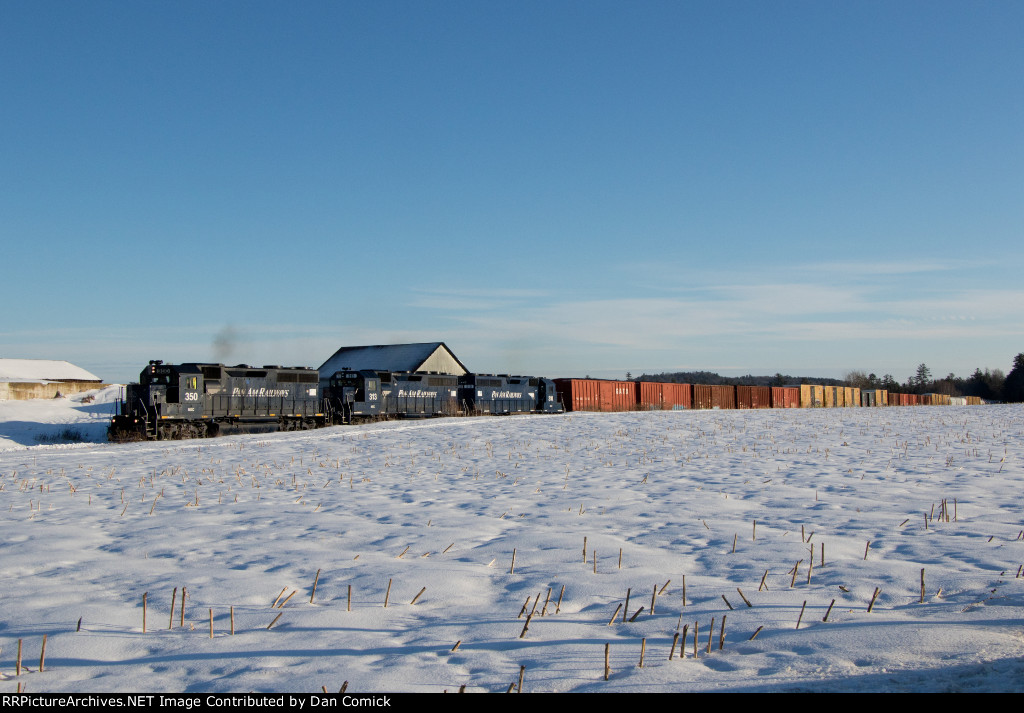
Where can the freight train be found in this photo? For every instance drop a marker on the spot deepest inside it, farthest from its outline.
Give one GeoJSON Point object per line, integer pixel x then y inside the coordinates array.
{"type": "Point", "coordinates": [608, 395]}
{"type": "Point", "coordinates": [173, 401]}
{"type": "Point", "coordinates": [204, 400]}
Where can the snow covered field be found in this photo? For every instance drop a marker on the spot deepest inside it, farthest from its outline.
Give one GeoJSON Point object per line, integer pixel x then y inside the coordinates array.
{"type": "Point", "coordinates": [91, 529]}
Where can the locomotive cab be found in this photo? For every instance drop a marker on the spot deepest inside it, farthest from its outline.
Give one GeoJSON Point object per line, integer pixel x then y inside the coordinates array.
{"type": "Point", "coordinates": [163, 392]}
{"type": "Point", "coordinates": [355, 395]}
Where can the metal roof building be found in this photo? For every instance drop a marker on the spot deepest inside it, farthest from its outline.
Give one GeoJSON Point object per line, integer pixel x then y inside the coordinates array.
{"type": "Point", "coordinates": [427, 356]}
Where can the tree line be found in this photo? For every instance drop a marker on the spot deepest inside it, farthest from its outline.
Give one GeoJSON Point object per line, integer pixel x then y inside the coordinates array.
{"type": "Point", "coordinates": [989, 384]}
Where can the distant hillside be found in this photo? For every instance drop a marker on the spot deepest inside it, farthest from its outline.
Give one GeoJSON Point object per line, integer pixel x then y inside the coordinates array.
{"type": "Point", "coordinates": [709, 377]}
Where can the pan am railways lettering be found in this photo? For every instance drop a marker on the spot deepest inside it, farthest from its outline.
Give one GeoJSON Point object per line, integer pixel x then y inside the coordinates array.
{"type": "Point", "coordinates": [418, 394]}
{"type": "Point", "coordinates": [509, 395]}
{"type": "Point", "coordinates": [262, 391]}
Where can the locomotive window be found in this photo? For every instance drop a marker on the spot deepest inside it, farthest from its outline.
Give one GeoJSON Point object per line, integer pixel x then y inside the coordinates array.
{"type": "Point", "coordinates": [371, 384]}
{"type": "Point", "coordinates": [192, 383]}
{"type": "Point", "coordinates": [211, 372]}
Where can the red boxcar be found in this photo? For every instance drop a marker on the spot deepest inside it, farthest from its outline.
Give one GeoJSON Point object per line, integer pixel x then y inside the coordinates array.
{"type": "Point", "coordinates": [678, 396]}
{"type": "Point", "coordinates": [785, 396]}
{"type": "Point", "coordinates": [753, 397]}
{"type": "Point", "coordinates": [707, 396]}
{"type": "Point", "coordinates": [596, 394]}
{"type": "Point", "coordinates": [652, 396]}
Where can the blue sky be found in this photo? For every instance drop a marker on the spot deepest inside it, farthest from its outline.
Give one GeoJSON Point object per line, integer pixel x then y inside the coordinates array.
{"type": "Point", "coordinates": [558, 188]}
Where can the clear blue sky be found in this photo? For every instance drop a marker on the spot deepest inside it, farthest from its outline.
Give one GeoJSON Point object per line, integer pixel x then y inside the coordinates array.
{"type": "Point", "coordinates": [558, 188]}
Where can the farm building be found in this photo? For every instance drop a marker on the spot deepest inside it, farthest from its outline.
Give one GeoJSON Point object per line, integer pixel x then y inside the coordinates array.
{"type": "Point", "coordinates": [428, 356]}
{"type": "Point", "coordinates": [43, 379]}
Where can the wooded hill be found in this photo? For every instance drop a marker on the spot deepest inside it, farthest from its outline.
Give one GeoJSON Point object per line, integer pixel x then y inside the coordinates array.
{"type": "Point", "coordinates": [710, 377]}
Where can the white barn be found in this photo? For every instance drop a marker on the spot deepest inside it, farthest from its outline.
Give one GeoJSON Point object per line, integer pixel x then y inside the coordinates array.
{"type": "Point", "coordinates": [43, 379]}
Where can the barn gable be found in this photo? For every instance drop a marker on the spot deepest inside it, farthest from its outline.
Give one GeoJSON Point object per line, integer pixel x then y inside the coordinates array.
{"type": "Point", "coordinates": [427, 356]}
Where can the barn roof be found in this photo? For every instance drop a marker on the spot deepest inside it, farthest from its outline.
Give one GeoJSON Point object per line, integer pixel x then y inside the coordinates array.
{"type": "Point", "coordinates": [427, 356]}
{"type": "Point", "coordinates": [43, 370]}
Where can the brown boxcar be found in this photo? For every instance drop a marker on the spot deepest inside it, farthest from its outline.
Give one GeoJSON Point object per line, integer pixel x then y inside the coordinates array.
{"type": "Point", "coordinates": [679, 395]}
{"type": "Point", "coordinates": [785, 396]}
{"type": "Point", "coordinates": [650, 396]}
{"type": "Point", "coordinates": [663, 396]}
{"type": "Point", "coordinates": [596, 394]}
{"type": "Point", "coordinates": [706, 396]}
{"type": "Point", "coordinates": [753, 397]}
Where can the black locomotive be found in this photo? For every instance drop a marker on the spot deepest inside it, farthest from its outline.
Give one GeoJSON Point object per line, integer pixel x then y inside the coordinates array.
{"type": "Point", "coordinates": [353, 395]}
{"type": "Point", "coordinates": [204, 400]}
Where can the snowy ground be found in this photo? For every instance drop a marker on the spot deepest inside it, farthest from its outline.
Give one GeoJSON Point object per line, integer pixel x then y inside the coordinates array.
{"type": "Point", "coordinates": [91, 529]}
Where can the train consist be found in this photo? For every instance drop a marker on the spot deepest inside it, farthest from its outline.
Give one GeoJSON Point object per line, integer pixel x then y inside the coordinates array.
{"type": "Point", "coordinates": [204, 400]}
{"type": "Point", "coordinates": [173, 401]}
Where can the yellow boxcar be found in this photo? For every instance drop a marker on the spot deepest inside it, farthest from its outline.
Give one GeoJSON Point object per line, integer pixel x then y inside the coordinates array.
{"type": "Point", "coordinates": [812, 396]}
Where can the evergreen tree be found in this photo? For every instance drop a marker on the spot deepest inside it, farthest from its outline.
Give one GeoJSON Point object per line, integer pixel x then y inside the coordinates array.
{"type": "Point", "coordinates": [1013, 387]}
{"type": "Point", "coordinates": [923, 377]}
